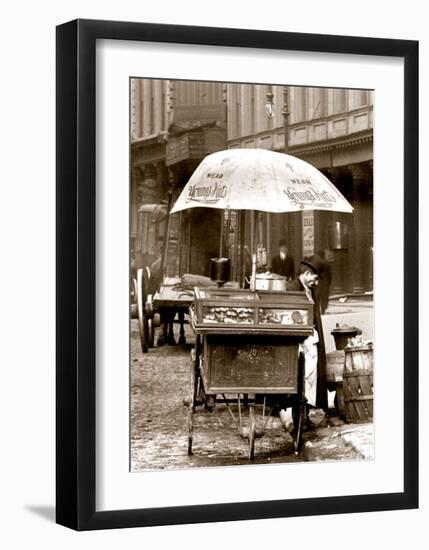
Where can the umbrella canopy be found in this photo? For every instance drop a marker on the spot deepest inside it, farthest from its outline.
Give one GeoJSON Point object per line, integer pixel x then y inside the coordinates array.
{"type": "Point", "coordinates": [258, 179]}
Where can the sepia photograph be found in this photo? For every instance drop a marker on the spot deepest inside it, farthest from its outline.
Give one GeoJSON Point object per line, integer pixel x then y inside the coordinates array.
{"type": "Point", "coordinates": [251, 274]}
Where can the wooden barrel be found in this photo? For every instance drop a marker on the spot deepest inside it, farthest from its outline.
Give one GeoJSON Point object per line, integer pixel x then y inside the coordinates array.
{"type": "Point", "coordinates": [334, 377]}
{"type": "Point", "coordinates": [358, 395]}
{"type": "Point", "coordinates": [358, 359]}
{"type": "Point", "coordinates": [335, 366]}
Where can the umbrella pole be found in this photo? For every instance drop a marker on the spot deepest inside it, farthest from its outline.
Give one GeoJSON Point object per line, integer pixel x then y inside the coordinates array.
{"type": "Point", "coordinates": [166, 238]}
{"type": "Point", "coordinates": [252, 232]}
{"type": "Point", "coordinates": [253, 227]}
{"type": "Point", "coordinates": [242, 259]}
{"type": "Point", "coordinates": [222, 223]}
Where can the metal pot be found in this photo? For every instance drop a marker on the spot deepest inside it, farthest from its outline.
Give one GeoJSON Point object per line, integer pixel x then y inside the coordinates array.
{"type": "Point", "coordinates": [343, 334]}
{"type": "Point", "coordinates": [270, 282]}
{"type": "Point", "coordinates": [220, 269]}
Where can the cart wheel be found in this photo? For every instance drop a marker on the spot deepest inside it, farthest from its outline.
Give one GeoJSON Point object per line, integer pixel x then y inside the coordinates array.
{"type": "Point", "coordinates": [190, 428]}
{"type": "Point", "coordinates": [134, 291]}
{"type": "Point", "coordinates": [298, 413]}
{"type": "Point", "coordinates": [143, 275]}
{"type": "Point", "coordinates": [299, 407]}
{"type": "Point", "coordinates": [149, 330]}
{"type": "Point", "coordinates": [191, 405]}
{"type": "Point", "coordinates": [200, 397]}
{"type": "Point", "coordinates": [252, 431]}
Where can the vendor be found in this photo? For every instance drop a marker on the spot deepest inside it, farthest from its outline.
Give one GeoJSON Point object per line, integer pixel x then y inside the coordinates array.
{"type": "Point", "coordinates": [313, 347]}
{"type": "Point", "coordinates": [324, 285]}
{"type": "Point", "coordinates": [283, 263]}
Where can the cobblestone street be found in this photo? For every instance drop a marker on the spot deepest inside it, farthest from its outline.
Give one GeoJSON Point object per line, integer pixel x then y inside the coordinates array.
{"type": "Point", "coordinates": [160, 381]}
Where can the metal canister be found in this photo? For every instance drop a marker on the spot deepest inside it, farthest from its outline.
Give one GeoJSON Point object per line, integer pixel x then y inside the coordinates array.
{"type": "Point", "coordinates": [270, 282]}
{"type": "Point", "coordinates": [220, 270]}
{"type": "Point", "coordinates": [343, 334]}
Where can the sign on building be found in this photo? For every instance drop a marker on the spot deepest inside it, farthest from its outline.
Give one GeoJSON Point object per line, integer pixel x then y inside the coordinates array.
{"type": "Point", "coordinates": [308, 233]}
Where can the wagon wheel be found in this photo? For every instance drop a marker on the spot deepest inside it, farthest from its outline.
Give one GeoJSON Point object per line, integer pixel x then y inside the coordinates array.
{"type": "Point", "coordinates": [150, 331]}
{"type": "Point", "coordinates": [252, 431]}
{"type": "Point", "coordinates": [133, 300]}
{"type": "Point", "coordinates": [143, 275]}
{"type": "Point", "coordinates": [134, 294]}
{"type": "Point", "coordinates": [148, 320]}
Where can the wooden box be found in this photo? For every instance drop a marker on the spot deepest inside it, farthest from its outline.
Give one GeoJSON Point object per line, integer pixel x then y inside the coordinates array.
{"type": "Point", "coordinates": [259, 364]}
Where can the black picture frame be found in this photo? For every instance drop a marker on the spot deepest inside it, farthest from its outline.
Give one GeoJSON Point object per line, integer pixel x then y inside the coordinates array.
{"type": "Point", "coordinates": [76, 268]}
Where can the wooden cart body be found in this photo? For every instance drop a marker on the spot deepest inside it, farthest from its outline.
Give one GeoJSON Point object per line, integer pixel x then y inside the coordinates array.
{"type": "Point", "coordinates": [252, 344]}
{"type": "Point", "coordinates": [171, 296]}
{"type": "Point", "coordinates": [247, 343]}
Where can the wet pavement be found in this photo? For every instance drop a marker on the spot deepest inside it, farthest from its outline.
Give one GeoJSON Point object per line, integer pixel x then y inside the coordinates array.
{"type": "Point", "coordinates": [343, 442]}
{"type": "Point", "coordinates": [160, 382]}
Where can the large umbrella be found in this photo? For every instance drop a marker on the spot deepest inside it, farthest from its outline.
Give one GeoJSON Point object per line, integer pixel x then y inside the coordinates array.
{"type": "Point", "coordinates": [258, 179]}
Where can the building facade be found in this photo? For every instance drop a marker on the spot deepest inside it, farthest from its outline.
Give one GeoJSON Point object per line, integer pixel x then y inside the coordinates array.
{"type": "Point", "coordinates": [175, 124]}
{"type": "Point", "coordinates": [149, 131]}
{"type": "Point", "coordinates": [333, 130]}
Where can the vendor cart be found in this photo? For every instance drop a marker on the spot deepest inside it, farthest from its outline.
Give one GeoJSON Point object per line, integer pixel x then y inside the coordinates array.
{"type": "Point", "coordinates": [246, 351]}
{"type": "Point", "coordinates": [247, 341]}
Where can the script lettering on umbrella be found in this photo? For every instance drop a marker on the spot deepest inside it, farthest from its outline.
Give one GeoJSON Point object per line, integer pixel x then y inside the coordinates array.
{"type": "Point", "coordinates": [206, 194]}
{"type": "Point", "coordinates": [310, 196]}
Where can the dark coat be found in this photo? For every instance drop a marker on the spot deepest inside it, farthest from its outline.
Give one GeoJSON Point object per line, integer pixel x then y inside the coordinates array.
{"type": "Point", "coordinates": [284, 267]}
{"type": "Point", "coordinates": [322, 388]}
{"type": "Point", "coordinates": [323, 288]}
